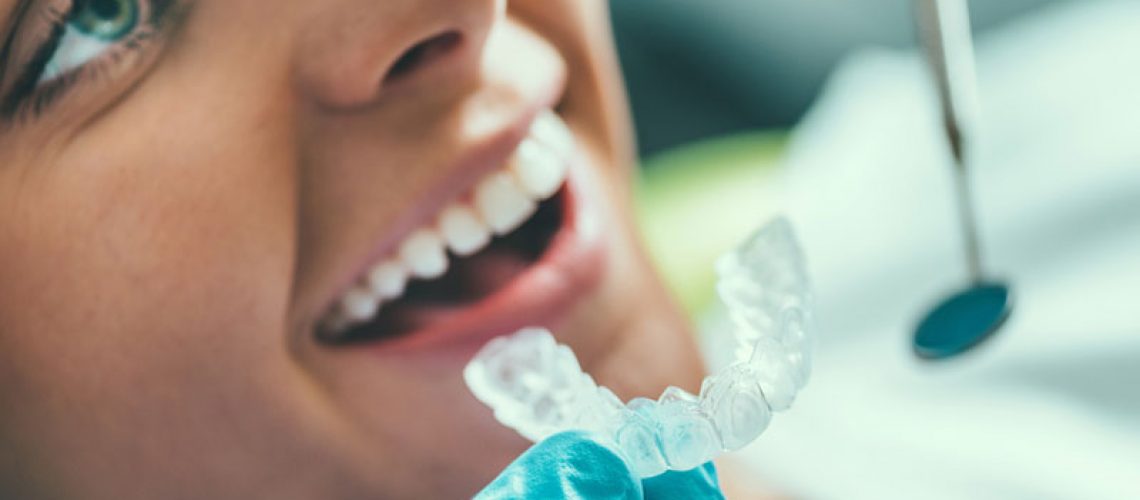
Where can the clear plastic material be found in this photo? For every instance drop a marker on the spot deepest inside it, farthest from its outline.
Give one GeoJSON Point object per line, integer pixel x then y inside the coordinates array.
{"type": "Point", "coordinates": [536, 386]}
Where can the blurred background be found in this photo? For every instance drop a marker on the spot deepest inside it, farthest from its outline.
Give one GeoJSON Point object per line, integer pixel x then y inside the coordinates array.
{"type": "Point", "coordinates": [702, 68]}
{"type": "Point", "coordinates": [699, 68]}
{"type": "Point", "coordinates": [824, 111]}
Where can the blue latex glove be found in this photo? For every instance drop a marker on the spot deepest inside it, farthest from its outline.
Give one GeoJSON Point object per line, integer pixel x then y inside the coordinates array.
{"type": "Point", "coordinates": [570, 465]}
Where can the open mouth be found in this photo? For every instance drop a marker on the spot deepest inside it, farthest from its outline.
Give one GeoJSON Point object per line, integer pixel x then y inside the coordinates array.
{"type": "Point", "coordinates": [475, 247]}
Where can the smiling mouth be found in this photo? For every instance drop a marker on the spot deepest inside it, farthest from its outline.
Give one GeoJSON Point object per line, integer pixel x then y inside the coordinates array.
{"type": "Point", "coordinates": [475, 247]}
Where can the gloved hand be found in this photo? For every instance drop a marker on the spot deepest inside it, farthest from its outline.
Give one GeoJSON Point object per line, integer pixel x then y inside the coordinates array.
{"type": "Point", "coordinates": [570, 465]}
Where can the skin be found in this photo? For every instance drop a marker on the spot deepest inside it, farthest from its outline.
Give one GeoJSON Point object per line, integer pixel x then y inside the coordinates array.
{"type": "Point", "coordinates": [171, 232]}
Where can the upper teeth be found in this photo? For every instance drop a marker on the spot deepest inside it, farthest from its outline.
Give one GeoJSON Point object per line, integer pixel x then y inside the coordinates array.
{"type": "Point", "coordinates": [500, 203]}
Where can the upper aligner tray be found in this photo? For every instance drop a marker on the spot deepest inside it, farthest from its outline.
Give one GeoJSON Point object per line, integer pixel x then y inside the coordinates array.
{"type": "Point", "coordinates": [536, 386]}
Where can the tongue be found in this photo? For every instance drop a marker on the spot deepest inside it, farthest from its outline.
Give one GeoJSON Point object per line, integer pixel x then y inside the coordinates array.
{"type": "Point", "coordinates": [467, 281]}
{"type": "Point", "coordinates": [487, 273]}
{"type": "Point", "coordinates": [470, 278]}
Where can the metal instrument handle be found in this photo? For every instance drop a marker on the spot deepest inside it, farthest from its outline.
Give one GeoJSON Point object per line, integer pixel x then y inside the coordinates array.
{"type": "Point", "coordinates": [944, 28]}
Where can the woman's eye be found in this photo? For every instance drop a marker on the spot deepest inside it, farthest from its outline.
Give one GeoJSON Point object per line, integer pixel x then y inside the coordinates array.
{"type": "Point", "coordinates": [91, 28]}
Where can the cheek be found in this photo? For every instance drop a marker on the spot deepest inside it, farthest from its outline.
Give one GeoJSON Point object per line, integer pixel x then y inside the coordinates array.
{"type": "Point", "coordinates": [163, 230]}
{"type": "Point", "coordinates": [146, 279]}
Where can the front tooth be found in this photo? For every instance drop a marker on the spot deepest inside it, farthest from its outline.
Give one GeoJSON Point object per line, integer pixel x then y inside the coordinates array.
{"type": "Point", "coordinates": [464, 232]}
{"type": "Point", "coordinates": [359, 305]}
{"type": "Point", "coordinates": [388, 280]}
{"type": "Point", "coordinates": [553, 132]}
{"type": "Point", "coordinates": [423, 253]}
{"type": "Point", "coordinates": [539, 171]}
{"type": "Point", "coordinates": [502, 203]}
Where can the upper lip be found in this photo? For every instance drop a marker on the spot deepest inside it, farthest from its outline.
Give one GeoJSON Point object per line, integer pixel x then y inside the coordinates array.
{"type": "Point", "coordinates": [469, 167]}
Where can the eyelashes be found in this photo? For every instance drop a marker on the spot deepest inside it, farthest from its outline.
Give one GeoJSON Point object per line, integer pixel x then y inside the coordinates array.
{"type": "Point", "coordinates": [24, 91]}
{"type": "Point", "coordinates": [81, 42]}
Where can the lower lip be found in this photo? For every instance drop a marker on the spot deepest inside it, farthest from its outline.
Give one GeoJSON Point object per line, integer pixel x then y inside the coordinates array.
{"type": "Point", "coordinates": [542, 296]}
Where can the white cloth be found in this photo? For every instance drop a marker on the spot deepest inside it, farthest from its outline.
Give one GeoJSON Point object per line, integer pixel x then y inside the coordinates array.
{"type": "Point", "coordinates": [1049, 408]}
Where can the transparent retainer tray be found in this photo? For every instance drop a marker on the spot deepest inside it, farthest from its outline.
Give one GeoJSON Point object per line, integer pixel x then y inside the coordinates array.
{"type": "Point", "coordinates": [536, 386]}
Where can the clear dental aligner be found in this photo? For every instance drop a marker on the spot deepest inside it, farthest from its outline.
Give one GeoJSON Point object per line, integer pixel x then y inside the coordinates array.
{"type": "Point", "coordinates": [536, 386]}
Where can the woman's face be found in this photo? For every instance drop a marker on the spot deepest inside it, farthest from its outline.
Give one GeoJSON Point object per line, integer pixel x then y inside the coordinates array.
{"type": "Point", "coordinates": [204, 203]}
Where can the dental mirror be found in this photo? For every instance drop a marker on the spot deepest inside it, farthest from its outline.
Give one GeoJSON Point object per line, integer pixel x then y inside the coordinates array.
{"type": "Point", "coordinates": [964, 320]}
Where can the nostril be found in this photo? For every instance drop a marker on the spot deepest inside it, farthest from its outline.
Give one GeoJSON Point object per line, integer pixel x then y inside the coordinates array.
{"type": "Point", "coordinates": [423, 54]}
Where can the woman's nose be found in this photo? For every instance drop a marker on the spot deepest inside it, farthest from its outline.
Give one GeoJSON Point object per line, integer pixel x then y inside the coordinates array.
{"type": "Point", "coordinates": [358, 51]}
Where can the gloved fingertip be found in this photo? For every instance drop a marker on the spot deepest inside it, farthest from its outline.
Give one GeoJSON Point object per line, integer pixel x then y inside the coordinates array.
{"type": "Point", "coordinates": [701, 482]}
{"type": "Point", "coordinates": [566, 465]}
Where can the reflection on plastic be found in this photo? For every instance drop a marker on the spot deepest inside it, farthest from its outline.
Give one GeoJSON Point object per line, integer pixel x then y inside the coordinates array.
{"type": "Point", "coordinates": [536, 386]}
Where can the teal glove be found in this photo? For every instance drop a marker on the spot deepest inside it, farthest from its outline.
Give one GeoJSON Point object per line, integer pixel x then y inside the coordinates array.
{"type": "Point", "coordinates": [570, 465]}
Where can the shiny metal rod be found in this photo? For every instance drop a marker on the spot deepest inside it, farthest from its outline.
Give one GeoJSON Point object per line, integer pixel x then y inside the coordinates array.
{"type": "Point", "coordinates": [944, 27]}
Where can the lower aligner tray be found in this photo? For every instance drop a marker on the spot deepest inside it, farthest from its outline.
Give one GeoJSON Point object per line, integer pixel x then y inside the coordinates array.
{"type": "Point", "coordinates": [536, 386]}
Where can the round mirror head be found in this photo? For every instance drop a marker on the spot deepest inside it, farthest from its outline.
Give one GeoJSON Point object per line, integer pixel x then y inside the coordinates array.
{"type": "Point", "coordinates": [963, 321]}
